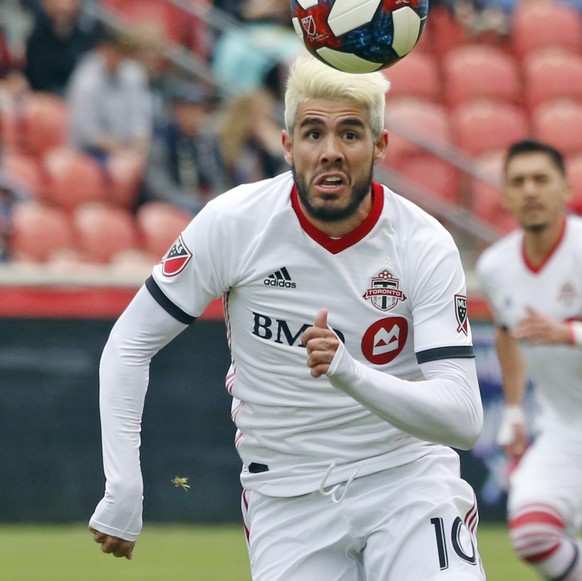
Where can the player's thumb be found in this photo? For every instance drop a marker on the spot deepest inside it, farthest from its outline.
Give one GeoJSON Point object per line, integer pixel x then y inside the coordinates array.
{"type": "Point", "coordinates": [321, 319]}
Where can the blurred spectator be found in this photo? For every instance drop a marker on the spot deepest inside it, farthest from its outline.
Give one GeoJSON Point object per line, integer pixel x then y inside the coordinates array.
{"type": "Point", "coordinates": [232, 8]}
{"type": "Point", "coordinates": [5, 57]}
{"type": "Point", "coordinates": [149, 44]}
{"type": "Point", "coordinates": [185, 166]}
{"type": "Point", "coordinates": [256, 10]}
{"type": "Point", "coordinates": [33, 6]}
{"type": "Point", "coordinates": [262, 47]}
{"type": "Point", "coordinates": [16, 23]}
{"type": "Point", "coordinates": [9, 195]}
{"type": "Point", "coordinates": [6, 202]}
{"type": "Point", "coordinates": [274, 11]}
{"type": "Point", "coordinates": [13, 88]}
{"type": "Point", "coordinates": [111, 108]}
{"type": "Point", "coordinates": [250, 137]}
{"type": "Point", "coordinates": [484, 20]}
{"type": "Point", "coordinates": [60, 36]}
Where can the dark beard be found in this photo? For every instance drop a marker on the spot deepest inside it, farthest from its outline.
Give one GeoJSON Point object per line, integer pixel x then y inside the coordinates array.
{"type": "Point", "coordinates": [536, 228]}
{"type": "Point", "coordinates": [324, 214]}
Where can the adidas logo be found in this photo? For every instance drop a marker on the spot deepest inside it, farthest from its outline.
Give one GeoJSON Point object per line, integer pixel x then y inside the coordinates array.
{"type": "Point", "coordinates": [280, 278]}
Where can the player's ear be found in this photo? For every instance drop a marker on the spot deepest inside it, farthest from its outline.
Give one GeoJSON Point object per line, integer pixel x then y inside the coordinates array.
{"type": "Point", "coordinates": [287, 147]}
{"type": "Point", "coordinates": [381, 146]}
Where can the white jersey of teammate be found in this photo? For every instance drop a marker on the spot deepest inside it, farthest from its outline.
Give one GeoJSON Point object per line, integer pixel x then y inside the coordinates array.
{"type": "Point", "coordinates": [395, 291]}
{"type": "Point", "coordinates": [512, 285]}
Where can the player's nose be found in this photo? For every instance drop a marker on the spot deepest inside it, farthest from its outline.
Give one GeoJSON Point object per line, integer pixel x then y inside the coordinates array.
{"type": "Point", "coordinates": [331, 149]}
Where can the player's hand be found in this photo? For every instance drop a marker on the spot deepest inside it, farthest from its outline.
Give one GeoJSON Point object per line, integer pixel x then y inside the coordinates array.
{"type": "Point", "coordinates": [512, 433]}
{"type": "Point", "coordinates": [321, 343]}
{"type": "Point", "coordinates": [536, 329]}
{"type": "Point", "coordinates": [109, 544]}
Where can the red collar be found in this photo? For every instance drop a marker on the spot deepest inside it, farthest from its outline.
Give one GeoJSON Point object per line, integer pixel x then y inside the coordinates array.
{"type": "Point", "coordinates": [537, 268]}
{"type": "Point", "coordinates": [336, 245]}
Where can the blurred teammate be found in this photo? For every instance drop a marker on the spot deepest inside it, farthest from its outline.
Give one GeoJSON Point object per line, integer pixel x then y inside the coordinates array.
{"type": "Point", "coordinates": [352, 362]}
{"type": "Point", "coordinates": [533, 279]}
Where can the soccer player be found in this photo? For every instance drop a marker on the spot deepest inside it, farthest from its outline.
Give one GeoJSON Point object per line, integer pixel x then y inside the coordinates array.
{"type": "Point", "coordinates": [533, 280]}
{"type": "Point", "coordinates": [352, 373]}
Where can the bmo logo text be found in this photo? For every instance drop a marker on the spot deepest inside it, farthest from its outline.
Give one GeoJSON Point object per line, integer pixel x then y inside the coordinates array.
{"type": "Point", "coordinates": [280, 331]}
{"type": "Point", "coordinates": [384, 340]}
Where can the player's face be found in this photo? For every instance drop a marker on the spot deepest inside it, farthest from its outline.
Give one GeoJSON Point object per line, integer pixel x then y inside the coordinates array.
{"type": "Point", "coordinates": [535, 191]}
{"type": "Point", "coordinates": [332, 152]}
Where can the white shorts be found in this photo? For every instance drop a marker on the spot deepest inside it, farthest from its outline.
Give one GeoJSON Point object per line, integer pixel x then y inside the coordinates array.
{"type": "Point", "coordinates": [550, 473]}
{"type": "Point", "coordinates": [412, 523]}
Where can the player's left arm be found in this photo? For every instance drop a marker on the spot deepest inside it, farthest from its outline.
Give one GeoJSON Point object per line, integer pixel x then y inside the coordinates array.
{"type": "Point", "coordinates": [445, 407]}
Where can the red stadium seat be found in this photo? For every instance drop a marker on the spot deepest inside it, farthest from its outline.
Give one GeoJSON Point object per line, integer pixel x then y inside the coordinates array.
{"type": "Point", "coordinates": [544, 24]}
{"type": "Point", "coordinates": [40, 231]}
{"type": "Point", "coordinates": [432, 175]}
{"type": "Point", "coordinates": [427, 120]}
{"type": "Point", "coordinates": [10, 131]}
{"type": "Point", "coordinates": [444, 30]}
{"type": "Point", "coordinates": [487, 200]}
{"type": "Point", "coordinates": [125, 172]}
{"type": "Point", "coordinates": [160, 224]}
{"type": "Point", "coordinates": [481, 126]}
{"type": "Point", "coordinates": [23, 171]}
{"type": "Point", "coordinates": [415, 76]}
{"type": "Point", "coordinates": [559, 123]}
{"type": "Point", "coordinates": [480, 71]}
{"type": "Point", "coordinates": [104, 230]}
{"type": "Point", "coordinates": [44, 122]}
{"type": "Point", "coordinates": [552, 74]}
{"type": "Point", "coordinates": [73, 177]}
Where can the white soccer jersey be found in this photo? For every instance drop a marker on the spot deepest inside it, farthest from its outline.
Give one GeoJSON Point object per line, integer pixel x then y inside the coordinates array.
{"type": "Point", "coordinates": [395, 291]}
{"type": "Point", "coordinates": [554, 289]}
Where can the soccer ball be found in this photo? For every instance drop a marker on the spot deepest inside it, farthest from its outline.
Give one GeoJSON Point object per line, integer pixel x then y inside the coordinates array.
{"type": "Point", "coordinates": [359, 36]}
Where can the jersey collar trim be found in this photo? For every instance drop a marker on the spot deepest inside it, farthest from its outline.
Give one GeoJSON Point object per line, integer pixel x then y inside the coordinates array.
{"type": "Point", "coordinates": [336, 245]}
{"type": "Point", "coordinates": [535, 268]}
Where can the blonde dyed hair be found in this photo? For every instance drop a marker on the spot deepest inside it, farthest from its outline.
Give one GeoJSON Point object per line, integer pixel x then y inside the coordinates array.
{"type": "Point", "coordinates": [312, 79]}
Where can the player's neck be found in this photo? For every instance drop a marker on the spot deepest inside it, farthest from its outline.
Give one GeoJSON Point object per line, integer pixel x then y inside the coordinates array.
{"type": "Point", "coordinates": [538, 245]}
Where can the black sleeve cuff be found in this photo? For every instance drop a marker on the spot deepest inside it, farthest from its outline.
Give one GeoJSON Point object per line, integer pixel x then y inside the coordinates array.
{"type": "Point", "coordinates": [167, 304]}
{"type": "Point", "coordinates": [455, 352]}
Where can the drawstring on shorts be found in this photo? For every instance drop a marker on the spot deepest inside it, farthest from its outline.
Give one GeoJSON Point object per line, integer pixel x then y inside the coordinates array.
{"type": "Point", "coordinates": [334, 489]}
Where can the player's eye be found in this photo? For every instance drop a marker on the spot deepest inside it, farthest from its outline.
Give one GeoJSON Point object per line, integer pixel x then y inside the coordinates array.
{"type": "Point", "coordinates": [313, 134]}
{"type": "Point", "coordinates": [516, 182]}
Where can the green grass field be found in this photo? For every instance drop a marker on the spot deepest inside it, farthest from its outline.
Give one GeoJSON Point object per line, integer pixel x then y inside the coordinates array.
{"type": "Point", "coordinates": [173, 553]}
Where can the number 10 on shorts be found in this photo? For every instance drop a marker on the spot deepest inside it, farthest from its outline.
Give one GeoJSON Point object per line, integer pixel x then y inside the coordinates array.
{"type": "Point", "coordinates": [459, 535]}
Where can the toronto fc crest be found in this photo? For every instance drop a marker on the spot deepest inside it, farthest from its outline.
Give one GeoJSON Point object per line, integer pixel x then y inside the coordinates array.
{"type": "Point", "coordinates": [461, 313]}
{"type": "Point", "coordinates": [384, 292]}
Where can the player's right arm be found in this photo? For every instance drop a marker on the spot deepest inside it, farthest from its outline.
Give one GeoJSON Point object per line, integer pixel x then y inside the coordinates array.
{"type": "Point", "coordinates": [139, 333]}
{"type": "Point", "coordinates": [512, 433]}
